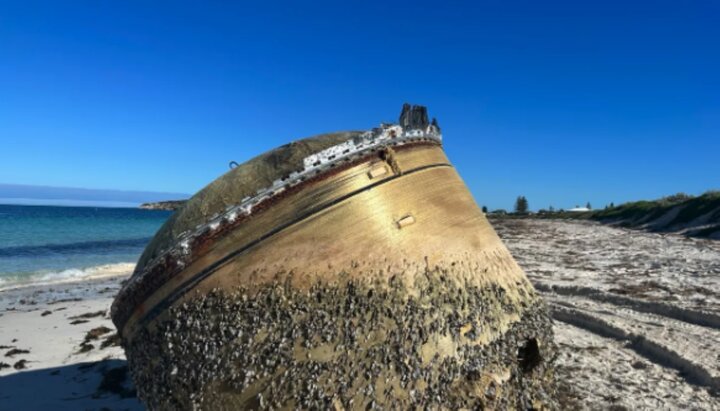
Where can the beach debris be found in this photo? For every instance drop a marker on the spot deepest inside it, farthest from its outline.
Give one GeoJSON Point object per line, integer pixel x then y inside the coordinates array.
{"type": "Point", "coordinates": [20, 365]}
{"type": "Point", "coordinates": [16, 351]}
{"type": "Point", "coordinates": [112, 340]}
{"type": "Point", "coordinates": [88, 315]}
{"type": "Point", "coordinates": [4, 365]}
{"type": "Point", "coordinates": [76, 322]}
{"type": "Point", "coordinates": [65, 300]}
{"type": "Point", "coordinates": [85, 347]}
{"type": "Point", "coordinates": [45, 313]}
{"type": "Point", "coordinates": [96, 333]}
{"type": "Point", "coordinates": [93, 335]}
{"type": "Point", "coordinates": [352, 270]}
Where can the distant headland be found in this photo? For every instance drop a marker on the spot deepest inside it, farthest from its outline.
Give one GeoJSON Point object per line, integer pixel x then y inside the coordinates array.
{"type": "Point", "coordinates": [22, 194]}
{"type": "Point", "coordinates": [171, 205]}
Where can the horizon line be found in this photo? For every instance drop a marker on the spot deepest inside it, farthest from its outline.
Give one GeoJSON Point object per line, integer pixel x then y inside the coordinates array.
{"type": "Point", "coordinates": [22, 194]}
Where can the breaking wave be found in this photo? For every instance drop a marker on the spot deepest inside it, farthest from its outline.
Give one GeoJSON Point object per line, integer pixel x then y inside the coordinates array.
{"type": "Point", "coordinates": [48, 277]}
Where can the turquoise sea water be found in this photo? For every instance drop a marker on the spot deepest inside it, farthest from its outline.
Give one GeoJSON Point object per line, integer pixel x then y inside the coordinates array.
{"type": "Point", "coordinates": [44, 243]}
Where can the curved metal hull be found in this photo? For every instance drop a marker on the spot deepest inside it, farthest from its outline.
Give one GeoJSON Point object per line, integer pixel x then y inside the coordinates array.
{"type": "Point", "coordinates": [379, 284]}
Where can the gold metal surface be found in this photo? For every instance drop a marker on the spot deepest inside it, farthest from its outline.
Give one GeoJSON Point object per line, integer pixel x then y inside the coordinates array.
{"type": "Point", "coordinates": [373, 282]}
{"type": "Point", "coordinates": [366, 224]}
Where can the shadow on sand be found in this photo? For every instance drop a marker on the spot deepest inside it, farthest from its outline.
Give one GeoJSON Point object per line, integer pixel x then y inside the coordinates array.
{"type": "Point", "coordinates": [99, 385]}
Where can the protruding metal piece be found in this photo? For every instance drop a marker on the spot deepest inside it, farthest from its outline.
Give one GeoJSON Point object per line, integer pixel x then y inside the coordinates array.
{"type": "Point", "coordinates": [377, 171]}
{"type": "Point", "coordinates": [405, 221]}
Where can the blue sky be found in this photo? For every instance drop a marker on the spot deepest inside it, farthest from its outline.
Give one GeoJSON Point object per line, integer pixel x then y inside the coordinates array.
{"type": "Point", "coordinates": [563, 102]}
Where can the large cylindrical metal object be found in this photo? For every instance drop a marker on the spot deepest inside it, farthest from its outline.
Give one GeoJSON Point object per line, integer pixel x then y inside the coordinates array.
{"type": "Point", "coordinates": [346, 271]}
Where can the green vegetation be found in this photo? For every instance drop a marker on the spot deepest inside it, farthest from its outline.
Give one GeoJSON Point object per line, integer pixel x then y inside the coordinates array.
{"type": "Point", "coordinates": [695, 216]}
{"type": "Point", "coordinates": [633, 211]}
{"type": "Point", "coordinates": [708, 203]}
{"type": "Point", "coordinates": [521, 205]}
{"type": "Point", "coordinates": [686, 207]}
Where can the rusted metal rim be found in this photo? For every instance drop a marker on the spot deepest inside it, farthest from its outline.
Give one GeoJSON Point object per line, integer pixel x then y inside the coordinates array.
{"type": "Point", "coordinates": [186, 286]}
{"type": "Point", "coordinates": [130, 306]}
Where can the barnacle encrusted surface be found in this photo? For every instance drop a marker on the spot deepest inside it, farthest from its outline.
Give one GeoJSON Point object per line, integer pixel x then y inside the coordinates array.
{"type": "Point", "coordinates": [389, 344]}
{"type": "Point", "coordinates": [349, 271]}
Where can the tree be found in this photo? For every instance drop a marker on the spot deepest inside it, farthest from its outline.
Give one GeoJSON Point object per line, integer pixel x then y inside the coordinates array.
{"type": "Point", "coordinates": [484, 209]}
{"type": "Point", "coordinates": [521, 205]}
{"type": "Point", "coordinates": [551, 209]}
{"type": "Point", "coordinates": [612, 205]}
{"type": "Point", "coordinates": [588, 206]}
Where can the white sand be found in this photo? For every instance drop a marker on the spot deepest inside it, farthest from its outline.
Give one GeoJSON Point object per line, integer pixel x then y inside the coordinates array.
{"type": "Point", "coordinates": [56, 374]}
{"type": "Point", "coordinates": [637, 314]}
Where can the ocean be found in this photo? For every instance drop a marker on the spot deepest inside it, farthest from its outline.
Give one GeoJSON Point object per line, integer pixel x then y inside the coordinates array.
{"type": "Point", "coordinates": [46, 244]}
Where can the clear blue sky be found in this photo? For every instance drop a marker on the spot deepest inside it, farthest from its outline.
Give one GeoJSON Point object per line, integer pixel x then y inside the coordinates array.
{"type": "Point", "coordinates": [563, 102]}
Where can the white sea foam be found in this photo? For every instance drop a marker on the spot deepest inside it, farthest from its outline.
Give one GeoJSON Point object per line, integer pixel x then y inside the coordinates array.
{"type": "Point", "coordinates": [65, 276]}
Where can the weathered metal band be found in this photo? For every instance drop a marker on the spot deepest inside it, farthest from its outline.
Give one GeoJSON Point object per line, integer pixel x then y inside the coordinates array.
{"type": "Point", "coordinates": [198, 277]}
{"type": "Point", "coordinates": [140, 296]}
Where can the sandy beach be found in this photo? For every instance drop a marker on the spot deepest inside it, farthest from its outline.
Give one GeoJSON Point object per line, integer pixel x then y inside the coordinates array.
{"type": "Point", "coordinates": [637, 314]}
{"type": "Point", "coordinates": [637, 319]}
{"type": "Point", "coordinates": [59, 349]}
